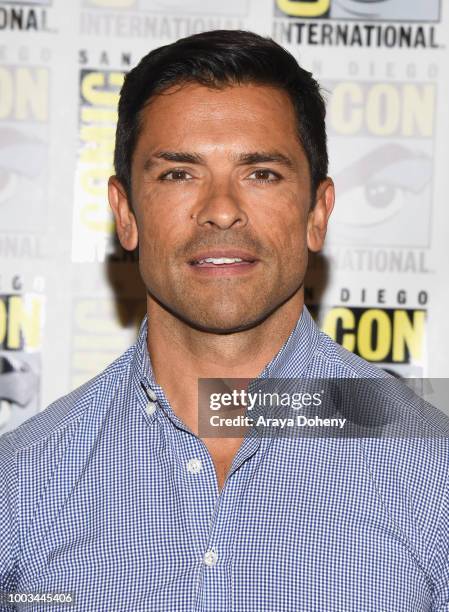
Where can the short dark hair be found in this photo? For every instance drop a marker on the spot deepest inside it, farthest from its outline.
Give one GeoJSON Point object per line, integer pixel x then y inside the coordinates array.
{"type": "Point", "coordinates": [216, 59]}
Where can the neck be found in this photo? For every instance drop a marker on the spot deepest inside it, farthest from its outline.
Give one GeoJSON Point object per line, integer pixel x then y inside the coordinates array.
{"type": "Point", "coordinates": [181, 354]}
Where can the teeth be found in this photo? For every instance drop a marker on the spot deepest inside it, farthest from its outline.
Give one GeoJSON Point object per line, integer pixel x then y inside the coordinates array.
{"type": "Point", "coordinates": [220, 260]}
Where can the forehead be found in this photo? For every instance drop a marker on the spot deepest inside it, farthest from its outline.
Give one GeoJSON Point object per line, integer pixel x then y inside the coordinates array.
{"type": "Point", "coordinates": [235, 114]}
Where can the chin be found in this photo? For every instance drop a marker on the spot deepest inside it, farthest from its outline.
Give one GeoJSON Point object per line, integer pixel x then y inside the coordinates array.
{"type": "Point", "coordinates": [225, 317]}
{"type": "Point", "coordinates": [220, 324]}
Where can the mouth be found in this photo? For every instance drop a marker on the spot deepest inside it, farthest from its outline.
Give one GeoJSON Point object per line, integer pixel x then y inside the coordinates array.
{"type": "Point", "coordinates": [228, 263]}
{"type": "Point", "coordinates": [221, 261]}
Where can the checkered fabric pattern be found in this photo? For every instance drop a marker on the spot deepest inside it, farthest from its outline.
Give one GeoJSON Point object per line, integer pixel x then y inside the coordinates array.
{"type": "Point", "coordinates": [107, 495]}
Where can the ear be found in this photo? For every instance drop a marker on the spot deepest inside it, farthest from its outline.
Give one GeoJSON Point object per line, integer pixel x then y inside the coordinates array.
{"type": "Point", "coordinates": [319, 215]}
{"type": "Point", "coordinates": [125, 220]}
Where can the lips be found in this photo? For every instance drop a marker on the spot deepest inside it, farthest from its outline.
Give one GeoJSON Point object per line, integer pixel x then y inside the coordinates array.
{"type": "Point", "coordinates": [223, 263]}
{"type": "Point", "coordinates": [223, 258]}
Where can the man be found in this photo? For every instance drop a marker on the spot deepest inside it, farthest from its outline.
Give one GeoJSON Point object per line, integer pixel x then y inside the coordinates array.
{"type": "Point", "coordinates": [111, 495]}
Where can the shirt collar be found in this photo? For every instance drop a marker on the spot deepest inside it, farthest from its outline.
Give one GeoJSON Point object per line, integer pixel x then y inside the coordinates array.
{"type": "Point", "coordinates": [297, 351]}
{"type": "Point", "coordinates": [289, 362]}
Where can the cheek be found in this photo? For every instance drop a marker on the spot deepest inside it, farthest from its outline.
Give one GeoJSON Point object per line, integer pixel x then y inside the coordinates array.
{"type": "Point", "coordinates": [287, 232]}
{"type": "Point", "coordinates": [161, 227]}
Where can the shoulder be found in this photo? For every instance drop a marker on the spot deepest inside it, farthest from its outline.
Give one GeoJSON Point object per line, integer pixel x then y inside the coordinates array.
{"type": "Point", "coordinates": [332, 360]}
{"type": "Point", "coordinates": [404, 443]}
{"type": "Point", "coordinates": [396, 408]}
{"type": "Point", "coordinates": [67, 410]}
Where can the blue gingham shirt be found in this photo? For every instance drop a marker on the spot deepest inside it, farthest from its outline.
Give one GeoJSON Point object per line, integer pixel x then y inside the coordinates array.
{"type": "Point", "coordinates": [107, 495]}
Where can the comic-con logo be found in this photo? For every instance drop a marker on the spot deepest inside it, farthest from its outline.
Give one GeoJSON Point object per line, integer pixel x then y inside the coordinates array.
{"type": "Point", "coordinates": [361, 10]}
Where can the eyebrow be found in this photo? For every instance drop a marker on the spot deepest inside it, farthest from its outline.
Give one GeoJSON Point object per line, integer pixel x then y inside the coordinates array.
{"type": "Point", "coordinates": [243, 159]}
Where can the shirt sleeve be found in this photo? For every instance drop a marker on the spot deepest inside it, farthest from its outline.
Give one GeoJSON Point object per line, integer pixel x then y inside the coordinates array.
{"type": "Point", "coordinates": [440, 565]}
{"type": "Point", "coordinates": [9, 536]}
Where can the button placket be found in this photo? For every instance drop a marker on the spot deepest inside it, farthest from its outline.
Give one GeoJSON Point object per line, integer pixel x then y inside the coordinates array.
{"type": "Point", "coordinates": [217, 555]}
{"type": "Point", "coordinates": [195, 484]}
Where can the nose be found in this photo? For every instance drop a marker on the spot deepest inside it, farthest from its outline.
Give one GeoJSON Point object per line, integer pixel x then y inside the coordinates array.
{"type": "Point", "coordinates": [220, 206]}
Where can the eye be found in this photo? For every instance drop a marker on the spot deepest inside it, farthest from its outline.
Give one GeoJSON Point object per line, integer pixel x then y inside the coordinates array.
{"type": "Point", "coordinates": [264, 176]}
{"type": "Point", "coordinates": [176, 176]}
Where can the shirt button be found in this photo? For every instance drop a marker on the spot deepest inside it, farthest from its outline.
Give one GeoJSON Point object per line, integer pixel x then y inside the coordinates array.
{"type": "Point", "coordinates": [210, 558]}
{"type": "Point", "coordinates": [151, 408]}
{"type": "Point", "coordinates": [194, 466]}
{"type": "Point", "coordinates": [151, 394]}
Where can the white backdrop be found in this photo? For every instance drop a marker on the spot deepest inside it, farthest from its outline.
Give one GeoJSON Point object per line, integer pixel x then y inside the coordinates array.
{"type": "Point", "coordinates": [71, 300]}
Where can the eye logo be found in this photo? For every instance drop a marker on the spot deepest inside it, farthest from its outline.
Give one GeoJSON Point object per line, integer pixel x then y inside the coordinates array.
{"type": "Point", "coordinates": [379, 193]}
{"type": "Point", "coordinates": [364, 8]}
{"type": "Point", "coordinates": [18, 381]}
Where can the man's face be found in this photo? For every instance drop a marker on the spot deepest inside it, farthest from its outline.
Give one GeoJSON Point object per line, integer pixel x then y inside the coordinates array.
{"type": "Point", "coordinates": [220, 175]}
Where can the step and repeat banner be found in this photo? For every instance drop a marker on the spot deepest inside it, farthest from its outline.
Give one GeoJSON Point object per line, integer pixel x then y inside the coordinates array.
{"type": "Point", "coordinates": [71, 300]}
